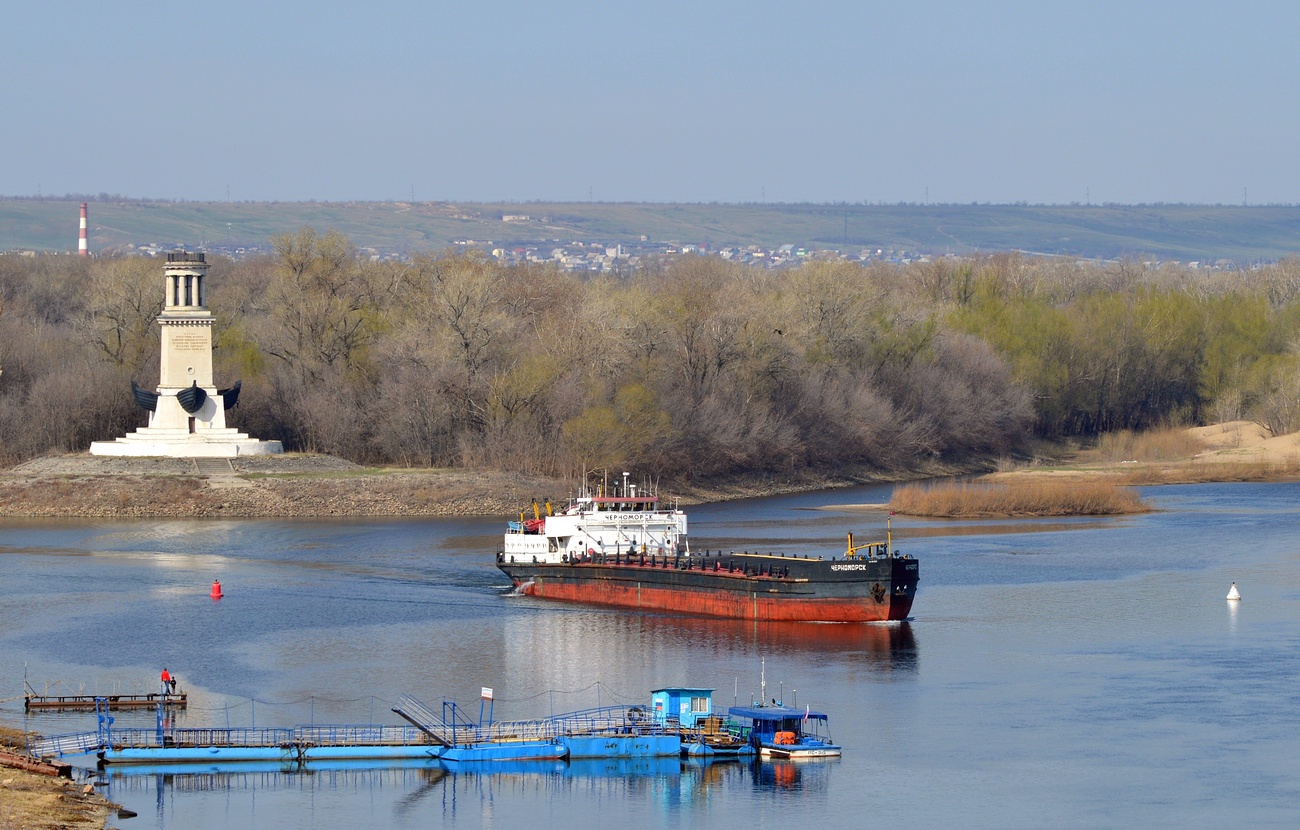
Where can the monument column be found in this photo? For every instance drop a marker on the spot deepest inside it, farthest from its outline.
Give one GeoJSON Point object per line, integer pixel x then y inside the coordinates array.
{"type": "Point", "coordinates": [187, 415]}
{"type": "Point", "coordinates": [186, 359]}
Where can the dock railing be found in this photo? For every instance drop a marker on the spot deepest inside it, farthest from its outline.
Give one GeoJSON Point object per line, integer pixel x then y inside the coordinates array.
{"type": "Point", "coordinates": [451, 729]}
{"type": "Point", "coordinates": [201, 737]}
{"type": "Point", "coordinates": [608, 720]}
{"type": "Point", "coordinates": [81, 743]}
{"type": "Point", "coordinates": [360, 735]}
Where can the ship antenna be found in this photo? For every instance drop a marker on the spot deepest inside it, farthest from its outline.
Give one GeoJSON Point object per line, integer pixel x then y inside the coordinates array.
{"type": "Point", "coordinates": [762, 682]}
{"type": "Point", "coordinates": [889, 533]}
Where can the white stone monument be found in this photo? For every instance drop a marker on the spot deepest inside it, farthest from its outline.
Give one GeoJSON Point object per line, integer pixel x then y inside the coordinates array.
{"type": "Point", "coordinates": [187, 415]}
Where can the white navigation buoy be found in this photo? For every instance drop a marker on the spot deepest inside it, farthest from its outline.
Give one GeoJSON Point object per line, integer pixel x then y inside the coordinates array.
{"type": "Point", "coordinates": [1233, 593]}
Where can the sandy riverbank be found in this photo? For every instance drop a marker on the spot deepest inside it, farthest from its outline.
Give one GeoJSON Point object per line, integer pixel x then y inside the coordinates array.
{"type": "Point", "coordinates": [286, 486]}
{"type": "Point", "coordinates": [1231, 451]}
{"type": "Point", "coordinates": [33, 801]}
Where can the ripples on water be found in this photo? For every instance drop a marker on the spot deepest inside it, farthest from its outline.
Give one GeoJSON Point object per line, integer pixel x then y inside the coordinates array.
{"type": "Point", "coordinates": [1082, 672]}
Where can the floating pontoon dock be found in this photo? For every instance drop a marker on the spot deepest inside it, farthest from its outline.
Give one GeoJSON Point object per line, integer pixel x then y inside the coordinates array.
{"type": "Point", "coordinates": [86, 703]}
{"type": "Point", "coordinates": [609, 732]}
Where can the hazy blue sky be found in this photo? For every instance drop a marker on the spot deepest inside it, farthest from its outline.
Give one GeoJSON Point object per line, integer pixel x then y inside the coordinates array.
{"type": "Point", "coordinates": [665, 101]}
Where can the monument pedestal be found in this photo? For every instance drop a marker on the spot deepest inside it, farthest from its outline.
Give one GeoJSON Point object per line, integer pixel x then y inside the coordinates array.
{"type": "Point", "coordinates": [179, 443]}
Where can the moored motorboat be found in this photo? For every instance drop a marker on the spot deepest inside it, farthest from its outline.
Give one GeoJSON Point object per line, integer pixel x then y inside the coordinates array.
{"type": "Point", "coordinates": [778, 731]}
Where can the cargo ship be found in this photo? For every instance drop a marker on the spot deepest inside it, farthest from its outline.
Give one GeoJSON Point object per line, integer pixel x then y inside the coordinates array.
{"type": "Point", "coordinates": [618, 545]}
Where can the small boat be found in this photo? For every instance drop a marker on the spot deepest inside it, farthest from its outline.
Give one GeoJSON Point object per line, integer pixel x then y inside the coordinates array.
{"type": "Point", "coordinates": [777, 731]}
{"type": "Point", "coordinates": [192, 397]}
{"type": "Point", "coordinates": [716, 746]}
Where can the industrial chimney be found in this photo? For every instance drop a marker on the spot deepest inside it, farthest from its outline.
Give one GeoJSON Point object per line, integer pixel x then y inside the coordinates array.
{"type": "Point", "coordinates": [83, 247]}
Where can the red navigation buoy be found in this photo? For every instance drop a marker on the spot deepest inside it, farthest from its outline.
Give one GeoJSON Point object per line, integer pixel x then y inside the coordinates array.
{"type": "Point", "coordinates": [216, 590]}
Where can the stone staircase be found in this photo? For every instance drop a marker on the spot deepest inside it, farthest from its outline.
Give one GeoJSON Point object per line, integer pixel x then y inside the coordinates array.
{"type": "Point", "coordinates": [214, 467]}
{"type": "Point", "coordinates": [220, 472]}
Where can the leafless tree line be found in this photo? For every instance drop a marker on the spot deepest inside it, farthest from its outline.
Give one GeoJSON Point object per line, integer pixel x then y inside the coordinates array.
{"type": "Point", "coordinates": [691, 367]}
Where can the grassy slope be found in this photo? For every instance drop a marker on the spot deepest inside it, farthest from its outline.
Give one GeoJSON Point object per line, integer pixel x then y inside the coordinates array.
{"type": "Point", "coordinates": [1182, 232]}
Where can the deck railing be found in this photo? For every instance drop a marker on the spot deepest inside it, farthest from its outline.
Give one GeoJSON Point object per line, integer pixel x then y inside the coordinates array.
{"type": "Point", "coordinates": [201, 737]}
{"type": "Point", "coordinates": [360, 735]}
{"type": "Point", "coordinates": [607, 720]}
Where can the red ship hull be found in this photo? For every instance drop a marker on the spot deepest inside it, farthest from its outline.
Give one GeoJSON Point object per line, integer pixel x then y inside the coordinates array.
{"type": "Point", "coordinates": [797, 590]}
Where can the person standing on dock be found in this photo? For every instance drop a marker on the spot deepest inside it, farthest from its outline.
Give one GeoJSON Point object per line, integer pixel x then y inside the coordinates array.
{"type": "Point", "coordinates": [168, 685]}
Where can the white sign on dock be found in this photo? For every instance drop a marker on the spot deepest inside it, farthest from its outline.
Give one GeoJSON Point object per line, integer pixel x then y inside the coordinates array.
{"type": "Point", "coordinates": [487, 693]}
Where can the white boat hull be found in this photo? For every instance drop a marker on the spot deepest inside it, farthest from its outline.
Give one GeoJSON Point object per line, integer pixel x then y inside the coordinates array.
{"type": "Point", "coordinates": [796, 752]}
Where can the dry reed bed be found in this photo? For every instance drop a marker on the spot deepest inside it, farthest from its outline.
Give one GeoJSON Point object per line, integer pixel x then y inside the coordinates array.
{"type": "Point", "coordinates": [1154, 445]}
{"type": "Point", "coordinates": [974, 500]}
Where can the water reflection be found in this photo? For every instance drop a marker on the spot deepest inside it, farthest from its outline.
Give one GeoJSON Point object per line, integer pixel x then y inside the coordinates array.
{"type": "Point", "coordinates": [784, 775]}
{"type": "Point", "coordinates": [407, 791]}
{"type": "Point", "coordinates": [886, 646]}
{"type": "Point", "coordinates": [558, 648]}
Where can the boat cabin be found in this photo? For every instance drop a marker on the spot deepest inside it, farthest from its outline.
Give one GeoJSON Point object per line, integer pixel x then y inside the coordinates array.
{"type": "Point", "coordinates": [777, 725]}
{"type": "Point", "coordinates": [681, 706]}
{"type": "Point", "coordinates": [629, 521]}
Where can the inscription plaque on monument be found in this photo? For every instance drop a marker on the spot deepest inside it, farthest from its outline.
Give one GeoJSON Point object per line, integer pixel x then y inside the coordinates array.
{"type": "Point", "coordinates": [188, 341]}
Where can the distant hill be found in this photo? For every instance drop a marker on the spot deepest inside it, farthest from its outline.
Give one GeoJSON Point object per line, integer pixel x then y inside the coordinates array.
{"type": "Point", "coordinates": [1178, 232]}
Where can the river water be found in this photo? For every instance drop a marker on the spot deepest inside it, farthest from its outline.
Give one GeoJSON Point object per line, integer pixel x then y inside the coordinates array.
{"type": "Point", "coordinates": [1081, 673]}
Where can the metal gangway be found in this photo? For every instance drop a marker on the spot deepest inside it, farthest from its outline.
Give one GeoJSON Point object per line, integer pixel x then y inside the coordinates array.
{"type": "Point", "coordinates": [56, 746]}
{"type": "Point", "coordinates": [453, 728]}
{"type": "Point", "coordinates": [423, 718]}
{"type": "Point", "coordinates": [79, 743]}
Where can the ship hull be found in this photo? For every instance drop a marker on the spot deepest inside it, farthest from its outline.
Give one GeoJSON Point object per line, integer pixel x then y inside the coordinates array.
{"type": "Point", "coordinates": [738, 586]}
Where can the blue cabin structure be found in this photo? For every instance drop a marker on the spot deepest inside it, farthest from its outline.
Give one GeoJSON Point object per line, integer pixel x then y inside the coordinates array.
{"type": "Point", "coordinates": [684, 706]}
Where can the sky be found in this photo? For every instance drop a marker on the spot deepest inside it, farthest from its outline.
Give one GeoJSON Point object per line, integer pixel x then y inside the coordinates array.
{"type": "Point", "coordinates": [853, 101]}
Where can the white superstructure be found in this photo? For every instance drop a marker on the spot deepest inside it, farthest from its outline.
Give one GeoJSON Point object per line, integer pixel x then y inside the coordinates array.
{"type": "Point", "coordinates": [628, 521]}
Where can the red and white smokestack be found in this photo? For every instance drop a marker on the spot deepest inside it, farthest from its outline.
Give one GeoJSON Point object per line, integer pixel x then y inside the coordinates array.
{"type": "Point", "coordinates": [83, 246]}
